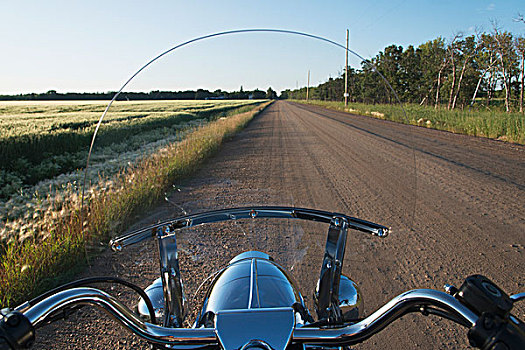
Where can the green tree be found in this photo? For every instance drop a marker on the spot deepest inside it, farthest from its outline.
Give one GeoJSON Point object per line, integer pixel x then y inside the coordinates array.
{"type": "Point", "coordinates": [270, 94]}
{"type": "Point", "coordinates": [412, 75]}
{"type": "Point", "coordinates": [519, 44]}
{"type": "Point", "coordinates": [467, 49]}
{"type": "Point", "coordinates": [485, 63]}
{"type": "Point", "coordinates": [507, 61]}
{"type": "Point", "coordinates": [452, 57]}
{"type": "Point", "coordinates": [389, 64]}
{"type": "Point", "coordinates": [432, 55]}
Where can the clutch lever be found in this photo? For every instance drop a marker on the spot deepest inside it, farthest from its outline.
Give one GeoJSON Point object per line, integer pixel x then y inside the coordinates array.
{"type": "Point", "coordinates": [517, 297]}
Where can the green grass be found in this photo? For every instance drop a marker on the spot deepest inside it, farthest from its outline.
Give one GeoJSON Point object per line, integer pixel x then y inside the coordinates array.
{"type": "Point", "coordinates": [39, 261]}
{"type": "Point", "coordinates": [499, 125]}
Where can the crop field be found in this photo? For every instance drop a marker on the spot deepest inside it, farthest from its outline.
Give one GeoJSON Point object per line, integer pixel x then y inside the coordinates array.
{"type": "Point", "coordinates": [42, 144]}
{"type": "Point", "coordinates": [144, 149]}
{"type": "Point", "coordinates": [494, 124]}
{"type": "Point", "coordinates": [51, 138]}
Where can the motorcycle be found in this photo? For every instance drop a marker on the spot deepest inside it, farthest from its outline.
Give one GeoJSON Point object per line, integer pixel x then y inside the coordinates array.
{"type": "Point", "coordinates": [255, 292]}
{"type": "Point", "coordinates": [254, 303]}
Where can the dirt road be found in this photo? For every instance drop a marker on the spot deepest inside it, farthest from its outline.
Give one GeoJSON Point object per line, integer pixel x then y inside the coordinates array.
{"type": "Point", "coordinates": [468, 217]}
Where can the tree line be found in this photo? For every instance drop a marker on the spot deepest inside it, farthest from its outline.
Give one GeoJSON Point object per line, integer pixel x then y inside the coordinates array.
{"type": "Point", "coordinates": [484, 69]}
{"type": "Point", "coordinates": [200, 94]}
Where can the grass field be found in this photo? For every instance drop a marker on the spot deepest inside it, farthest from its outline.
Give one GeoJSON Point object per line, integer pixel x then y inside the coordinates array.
{"type": "Point", "coordinates": [40, 225]}
{"type": "Point", "coordinates": [498, 125]}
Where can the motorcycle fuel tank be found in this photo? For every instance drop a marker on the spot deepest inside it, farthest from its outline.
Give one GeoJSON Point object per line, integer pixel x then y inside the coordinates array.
{"type": "Point", "coordinates": [251, 281]}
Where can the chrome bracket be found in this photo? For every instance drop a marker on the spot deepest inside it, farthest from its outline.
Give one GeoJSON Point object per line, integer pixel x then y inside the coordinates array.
{"type": "Point", "coordinates": [171, 278]}
{"type": "Point", "coordinates": [326, 295]}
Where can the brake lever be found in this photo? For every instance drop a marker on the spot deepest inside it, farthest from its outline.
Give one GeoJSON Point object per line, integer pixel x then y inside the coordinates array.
{"type": "Point", "coordinates": [517, 297]}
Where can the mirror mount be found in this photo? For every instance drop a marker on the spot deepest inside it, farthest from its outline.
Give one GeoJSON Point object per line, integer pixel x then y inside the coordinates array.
{"type": "Point", "coordinates": [326, 296]}
{"type": "Point", "coordinates": [171, 278]}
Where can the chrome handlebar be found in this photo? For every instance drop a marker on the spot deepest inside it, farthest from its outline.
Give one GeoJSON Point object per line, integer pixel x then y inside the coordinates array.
{"type": "Point", "coordinates": [411, 301]}
{"type": "Point", "coordinates": [121, 313]}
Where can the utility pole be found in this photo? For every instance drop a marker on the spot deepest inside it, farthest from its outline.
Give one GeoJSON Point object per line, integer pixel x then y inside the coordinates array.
{"type": "Point", "coordinates": [308, 86]}
{"type": "Point", "coordinates": [346, 70]}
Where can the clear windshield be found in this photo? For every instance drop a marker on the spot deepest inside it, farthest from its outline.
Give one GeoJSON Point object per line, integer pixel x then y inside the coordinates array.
{"type": "Point", "coordinates": [207, 149]}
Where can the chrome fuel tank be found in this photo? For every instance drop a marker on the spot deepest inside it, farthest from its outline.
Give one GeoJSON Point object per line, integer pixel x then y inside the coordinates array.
{"type": "Point", "coordinates": [251, 280]}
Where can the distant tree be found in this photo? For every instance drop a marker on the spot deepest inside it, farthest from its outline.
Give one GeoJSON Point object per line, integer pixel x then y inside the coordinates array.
{"type": "Point", "coordinates": [371, 85]}
{"type": "Point", "coordinates": [505, 52]}
{"type": "Point", "coordinates": [389, 64]}
{"type": "Point", "coordinates": [452, 53]}
{"type": "Point", "coordinates": [519, 43]}
{"type": "Point", "coordinates": [467, 49]}
{"type": "Point", "coordinates": [285, 94]}
{"type": "Point", "coordinates": [270, 94]}
{"type": "Point", "coordinates": [432, 55]}
{"type": "Point", "coordinates": [486, 60]}
{"type": "Point", "coordinates": [258, 94]}
{"type": "Point", "coordinates": [202, 94]}
{"type": "Point", "coordinates": [411, 75]}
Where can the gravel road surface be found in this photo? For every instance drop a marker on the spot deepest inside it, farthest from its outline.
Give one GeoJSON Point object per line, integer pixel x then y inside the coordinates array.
{"type": "Point", "coordinates": [468, 217]}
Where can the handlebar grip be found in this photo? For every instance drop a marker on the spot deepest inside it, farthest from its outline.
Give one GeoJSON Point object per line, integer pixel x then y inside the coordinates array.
{"type": "Point", "coordinates": [491, 332]}
{"type": "Point", "coordinates": [16, 331]}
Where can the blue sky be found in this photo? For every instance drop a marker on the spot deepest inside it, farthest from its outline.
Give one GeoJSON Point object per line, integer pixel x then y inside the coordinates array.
{"type": "Point", "coordinates": [96, 45]}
